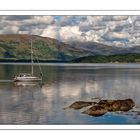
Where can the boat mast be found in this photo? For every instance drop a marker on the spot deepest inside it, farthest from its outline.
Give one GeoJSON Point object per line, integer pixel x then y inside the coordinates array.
{"type": "Point", "coordinates": [32, 70]}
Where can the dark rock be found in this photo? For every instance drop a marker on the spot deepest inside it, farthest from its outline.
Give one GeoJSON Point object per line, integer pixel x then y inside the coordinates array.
{"type": "Point", "coordinates": [105, 106]}
{"type": "Point", "coordinates": [80, 104]}
{"type": "Point", "coordinates": [127, 105]}
{"type": "Point", "coordinates": [96, 111]}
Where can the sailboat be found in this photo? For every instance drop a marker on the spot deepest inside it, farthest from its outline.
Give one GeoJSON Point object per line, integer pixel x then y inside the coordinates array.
{"type": "Point", "coordinates": [28, 77]}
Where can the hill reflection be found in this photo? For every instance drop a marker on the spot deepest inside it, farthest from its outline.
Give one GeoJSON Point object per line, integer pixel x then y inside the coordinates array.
{"type": "Point", "coordinates": [43, 104]}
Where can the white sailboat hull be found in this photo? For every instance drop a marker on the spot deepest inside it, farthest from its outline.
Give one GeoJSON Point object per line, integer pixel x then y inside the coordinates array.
{"type": "Point", "coordinates": [27, 79]}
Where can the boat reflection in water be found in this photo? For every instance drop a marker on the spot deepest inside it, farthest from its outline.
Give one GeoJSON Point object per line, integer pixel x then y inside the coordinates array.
{"type": "Point", "coordinates": [29, 105]}
{"type": "Point", "coordinates": [25, 84]}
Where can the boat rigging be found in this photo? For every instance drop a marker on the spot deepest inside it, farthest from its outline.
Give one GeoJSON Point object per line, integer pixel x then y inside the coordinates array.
{"type": "Point", "coordinates": [29, 77]}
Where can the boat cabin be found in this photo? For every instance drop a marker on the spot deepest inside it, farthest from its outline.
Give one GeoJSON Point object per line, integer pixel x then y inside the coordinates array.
{"type": "Point", "coordinates": [24, 75]}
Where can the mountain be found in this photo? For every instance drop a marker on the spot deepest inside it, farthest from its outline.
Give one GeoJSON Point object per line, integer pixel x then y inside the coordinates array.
{"type": "Point", "coordinates": [17, 47]}
{"type": "Point", "coordinates": [94, 48]}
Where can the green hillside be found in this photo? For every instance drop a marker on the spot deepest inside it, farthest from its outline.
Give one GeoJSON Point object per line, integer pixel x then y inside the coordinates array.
{"type": "Point", "coordinates": [123, 58]}
{"type": "Point", "coordinates": [17, 47]}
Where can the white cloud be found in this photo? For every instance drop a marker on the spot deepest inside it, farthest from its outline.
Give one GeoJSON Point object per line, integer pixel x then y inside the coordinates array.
{"type": "Point", "coordinates": [115, 30]}
{"type": "Point", "coordinates": [120, 39]}
{"type": "Point", "coordinates": [69, 33]}
{"type": "Point", "coordinates": [24, 32]}
{"type": "Point", "coordinates": [115, 18]}
{"type": "Point", "coordinates": [51, 31]}
{"type": "Point", "coordinates": [9, 30]}
{"type": "Point", "coordinates": [38, 20]}
{"type": "Point", "coordinates": [43, 19]}
{"type": "Point", "coordinates": [117, 43]}
{"type": "Point", "coordinates": [71, 20]}
{"type": "Point", "coordinates": [120, 35]}
{"type": "Point", "coordinates": [118, 18]}
{"type": "Point", "coordinates": [91, 36]}
{"type": "Point", "coordinates": [65, 33]}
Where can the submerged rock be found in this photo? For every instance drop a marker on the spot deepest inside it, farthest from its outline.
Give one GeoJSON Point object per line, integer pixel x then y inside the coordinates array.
{"type": "Point", "coordinates": [127, 105]}
{"type": "Point", "coordinates": [80, 104]}
{"type": "Point", "coordinates": [103, 106]}
{"type": "Point", "coordinates": [96, 111]}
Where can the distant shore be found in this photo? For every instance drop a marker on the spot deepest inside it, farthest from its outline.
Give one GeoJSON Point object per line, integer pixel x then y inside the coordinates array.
{"type": "Point", "coordinates": [29, 61]}
{"type": "Point", "coordinates": [64, 62]}
{"type": "Point", "coordinates": [117, 59]}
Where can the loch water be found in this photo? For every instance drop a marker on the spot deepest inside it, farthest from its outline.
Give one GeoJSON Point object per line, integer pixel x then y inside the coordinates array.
{"type": "Point", "coordinates": [44, 103]}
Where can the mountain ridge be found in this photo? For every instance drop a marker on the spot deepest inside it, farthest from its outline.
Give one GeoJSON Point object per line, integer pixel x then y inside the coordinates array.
{"type": "Point", "coordinates": [17, 46]}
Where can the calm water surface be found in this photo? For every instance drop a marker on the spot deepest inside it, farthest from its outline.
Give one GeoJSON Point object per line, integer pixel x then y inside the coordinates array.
{"type": "Point", "coordinates": [62, 85]}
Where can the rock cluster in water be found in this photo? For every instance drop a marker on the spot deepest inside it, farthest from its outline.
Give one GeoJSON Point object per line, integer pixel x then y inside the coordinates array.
{"type": "Point", "coordinates": [103, 106]}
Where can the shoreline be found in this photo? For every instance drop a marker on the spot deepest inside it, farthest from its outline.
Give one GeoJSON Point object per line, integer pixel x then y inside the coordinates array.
{"type": "Point", "coordinates": [86, 65]}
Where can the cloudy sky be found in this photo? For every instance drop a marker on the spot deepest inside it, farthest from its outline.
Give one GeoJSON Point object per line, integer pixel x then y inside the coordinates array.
{"type": "Point", "coordinates": [111, 30]}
